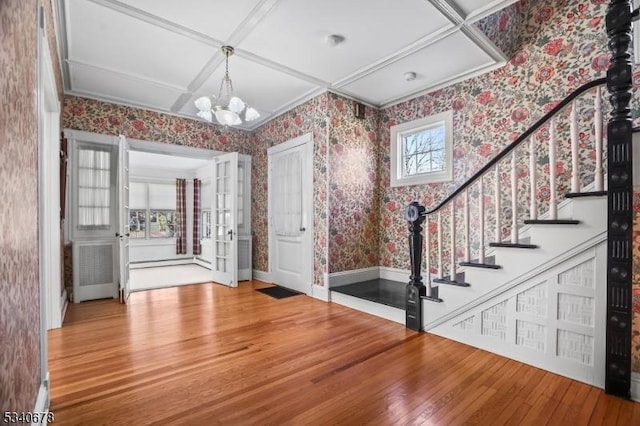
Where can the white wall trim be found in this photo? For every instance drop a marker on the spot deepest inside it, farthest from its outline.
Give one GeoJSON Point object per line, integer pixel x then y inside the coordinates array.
{"type": "Point", "coordinates": [395, 274]}
{"type": "Point", "coordinates": [635, 386]}
{"type": "Point", "coordinates": [378, 309]}
{"type": "Point", "coordinates": [321, 293]}
{"type": "Point", "coordinates": [262, 276]}
{"type": "Point", "coordinates": [41, 407]}
{"type": "Point", "coordinates": [140, 265]}
{"type": "Point", "coordinates": [337, 279]}
{"type": "Point", "coordinates": [202, 263]}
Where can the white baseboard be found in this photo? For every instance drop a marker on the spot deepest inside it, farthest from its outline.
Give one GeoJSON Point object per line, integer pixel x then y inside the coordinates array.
{"type": "Point", "coordinates": [372, 308]}
{"type": "Point", "coordinates": [42, 403]}
{"type": "Point", "coordinates": [202, 263]}
{"type": "Point", "coordinates": [394, 274]}
{"type": "Point", "coordinates": [262, 276]}
{"type": "Point", "coordinates": [321, 293]}
{"type": "Point", "coordinates": [635, 386]}
{"type": "Point", "coordinates": [138, 265]}
{"type": "Point", "coordinates": [337, 279]}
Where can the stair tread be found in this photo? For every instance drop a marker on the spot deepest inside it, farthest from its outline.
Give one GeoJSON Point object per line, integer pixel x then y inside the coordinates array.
{"type": "Point", "coordinates": [586, 194]}
{"type": "Point", "coordinates": [551, 222]}
{"type": "Point", "coordinates": [432, 299]}
{"type": "Point", "coordinates": [514, 245]}
{"type": "Point", "coordinates": [451, 282]}
{"type": "Point", "coordinates": [481, 265]}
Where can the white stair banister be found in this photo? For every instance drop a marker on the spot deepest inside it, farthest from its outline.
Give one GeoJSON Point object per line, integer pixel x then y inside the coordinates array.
{"type": "Point", "coordinates": [599, 174]}
{"type": "Point", "coordinates": [452, 268]}
{"type": "Point", "coordinates": [427, 260]}
{"type": "Point", "coordinates": [514, 199]}
{"type": "Point", "coordinates": [467, 240]}
{"type": "Point", "coordinates": [439, 245]}
{"type": "Point", "coordinates": [533, 175]}
{"type": "Point", "coordinates": [575, 172]}
{"type": "Point", "coordinates": [481, 219]}
{"type": "Point", "coordinates": [498, 206]}
{"type": "Point", "coordinates": [553, 205]}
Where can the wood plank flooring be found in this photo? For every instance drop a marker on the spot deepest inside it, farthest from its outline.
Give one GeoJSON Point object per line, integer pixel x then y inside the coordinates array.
{"type": "Point", "coordinates": [207, 354]}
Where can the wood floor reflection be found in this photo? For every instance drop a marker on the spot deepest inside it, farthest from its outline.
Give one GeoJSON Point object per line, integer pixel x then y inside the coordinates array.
{"type": "Point", "coordinates": [208, 354]}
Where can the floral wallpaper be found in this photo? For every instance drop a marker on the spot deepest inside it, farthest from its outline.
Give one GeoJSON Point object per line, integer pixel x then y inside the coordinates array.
{"type": "Point", "coordinates": [112, 119]}
{"type": "Point", "coordinates": [19, 304]}
{"type": "Point", "coordinates": [354, 233]}
{"type": "Point", "coordinates": [312, 116]}
{"type": "Point", "coordinates": [504, 27]}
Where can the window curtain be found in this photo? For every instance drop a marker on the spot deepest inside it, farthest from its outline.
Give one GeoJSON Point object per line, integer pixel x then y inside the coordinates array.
{"type": "Point", "coordinates": [287, 183]}
{"type": "Point", "coordinates": [197, 249]}
{"type": "Point", "coordinates": [181, 216]}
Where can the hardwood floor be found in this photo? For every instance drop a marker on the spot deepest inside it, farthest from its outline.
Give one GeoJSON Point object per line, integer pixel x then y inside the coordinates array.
{"type": "Point", "coordinates": [207, 354]}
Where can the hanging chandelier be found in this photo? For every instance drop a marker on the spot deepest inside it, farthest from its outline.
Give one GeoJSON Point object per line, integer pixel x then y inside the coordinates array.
{"type": "Point", "coordinates": [229, 110]}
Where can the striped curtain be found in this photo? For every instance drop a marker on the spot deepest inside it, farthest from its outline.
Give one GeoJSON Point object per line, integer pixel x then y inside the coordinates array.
{"type": "Point", "coordinates": [197, 249]}
{"type": "Point", "coordinates": [181, 216]}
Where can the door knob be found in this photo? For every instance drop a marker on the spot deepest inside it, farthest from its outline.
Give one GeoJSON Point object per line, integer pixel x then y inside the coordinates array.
{"type": "Point", "coordinates": [302, 229]}
{"type": "Point", "coordinates": [230, 232]}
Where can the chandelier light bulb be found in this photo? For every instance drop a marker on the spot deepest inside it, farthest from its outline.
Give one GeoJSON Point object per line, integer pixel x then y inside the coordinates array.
{"type": "Point", "coordinates": [228, 109]}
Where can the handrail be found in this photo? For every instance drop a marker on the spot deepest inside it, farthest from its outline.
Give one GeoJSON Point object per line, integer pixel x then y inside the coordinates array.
{"type": "Point", "coordinates": [579, 91]}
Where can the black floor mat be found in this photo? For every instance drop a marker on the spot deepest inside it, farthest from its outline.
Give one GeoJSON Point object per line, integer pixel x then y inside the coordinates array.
{"type": "Point", "coordinates": [278, 292]}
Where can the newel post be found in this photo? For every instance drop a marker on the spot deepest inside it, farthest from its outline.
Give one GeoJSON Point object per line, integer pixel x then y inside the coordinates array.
{"type": "Point", "coordinates": [619, 194]}
{"type": "Point", "coordinates": [414, 214]}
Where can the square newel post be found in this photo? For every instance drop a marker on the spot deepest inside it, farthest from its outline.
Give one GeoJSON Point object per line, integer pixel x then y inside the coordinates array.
{"type": "Point", "coordinates": [414, 214]}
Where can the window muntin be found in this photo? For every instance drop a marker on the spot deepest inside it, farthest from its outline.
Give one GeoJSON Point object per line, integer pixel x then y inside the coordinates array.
{"type": "Point", "coordinates": [422, 150]}
{"type": "Point", "coordinates": [94, 188]}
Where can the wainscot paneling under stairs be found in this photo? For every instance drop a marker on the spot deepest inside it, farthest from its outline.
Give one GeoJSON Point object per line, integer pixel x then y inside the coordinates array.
{"type": "Point", "coordinates": [545, 306]}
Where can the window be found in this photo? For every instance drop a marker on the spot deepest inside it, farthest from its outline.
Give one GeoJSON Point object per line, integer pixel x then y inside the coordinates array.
{"type": "Point", "coordinates": [162, 223]}
{"type": "Point", "coordinates": [152, 211]}
{"type": "Point", "coordinates": [137, 224]}
{"type": "Point", "coordinates": [206, 224]}
{"type": "Point", "coordinates": [94, 188]}
{"type": "Point", "coordinates": [422, 150]}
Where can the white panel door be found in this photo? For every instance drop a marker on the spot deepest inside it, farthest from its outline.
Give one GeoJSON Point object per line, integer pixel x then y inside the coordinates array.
{"type": "Point", "coordinates": [290, 233]}
{"type": "Point", "coordinates": [224, 220]}
{"type": "Point", "coordinates": [123, 233]}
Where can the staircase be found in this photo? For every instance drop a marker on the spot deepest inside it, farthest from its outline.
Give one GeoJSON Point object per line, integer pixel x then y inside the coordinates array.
{"type": "Point", "coordinates": [504, 277]}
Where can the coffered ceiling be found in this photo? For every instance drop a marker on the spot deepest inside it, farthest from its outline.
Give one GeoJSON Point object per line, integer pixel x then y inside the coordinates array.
{"type": "Point", "coordinates": [163, 54]}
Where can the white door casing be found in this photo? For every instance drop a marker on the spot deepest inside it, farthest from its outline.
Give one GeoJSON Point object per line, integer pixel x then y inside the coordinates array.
{"type": "Point", "coordinates": [224, 220]}
{"type": "Point", "coordinates": [290, 187]}
{"type": "Point", "coordinates": [123, 232]}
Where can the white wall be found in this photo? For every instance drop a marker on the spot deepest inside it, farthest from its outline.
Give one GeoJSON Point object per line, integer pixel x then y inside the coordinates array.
{"type": "Point", "coordinates": [162, 249]}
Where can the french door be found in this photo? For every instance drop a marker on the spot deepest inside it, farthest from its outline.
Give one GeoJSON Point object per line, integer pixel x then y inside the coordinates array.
{"type": "Point", "coordinates": [123, 227]}
{"type": "Point", "coordinates": [224, 220]}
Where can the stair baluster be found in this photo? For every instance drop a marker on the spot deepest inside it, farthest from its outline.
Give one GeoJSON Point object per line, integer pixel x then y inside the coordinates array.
{"type": "Point", "coordinates": [533, 175]}
{"type": "Point", "coordinates": [481, 220]}
{"type": "Point", "coordinates": [514, 199]}
{"type": "Point", "coordinates": [553, 203]}
{"type": "Point", "coordinates": [498, 204]}
{"type": "Point", "coordinates": [452, 267]}
{"type": "Point", "coordinates": [599, 175]}
{"type": "Point", "coordinates": [575, 172]}
{"type": "Point", "coordinates": [440, 246]}
{"type": "Point", "coordinates": [467, 239]}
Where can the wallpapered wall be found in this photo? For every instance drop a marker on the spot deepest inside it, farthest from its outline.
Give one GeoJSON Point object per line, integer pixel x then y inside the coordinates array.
{"type": "Point", "coordinates": [354, 162]}
{"type": "Point", "coordinates": [111, 119]}
{"type": "Point", "coordinates": [310, 117]}
{"type": "Point", "coordinates": [19, 304]}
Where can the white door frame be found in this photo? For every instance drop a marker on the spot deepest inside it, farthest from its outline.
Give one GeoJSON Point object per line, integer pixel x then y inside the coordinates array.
{"type": "Point", "coordinates": [307, 188]}
{"type": "Point", "coordinates": [49, 188]}
{"type": "Point", "coordinates": [51, 303]}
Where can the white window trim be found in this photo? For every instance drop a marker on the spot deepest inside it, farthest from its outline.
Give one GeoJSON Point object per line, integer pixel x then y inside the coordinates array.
{"type": "Point", "coordinates": [396, 145]}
